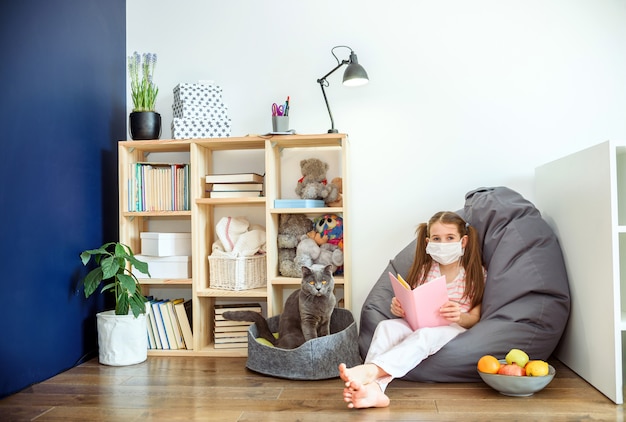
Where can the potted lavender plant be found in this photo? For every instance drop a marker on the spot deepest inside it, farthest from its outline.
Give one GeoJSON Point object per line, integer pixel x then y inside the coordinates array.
{"type": "Point", "coordinates": [145, 123]}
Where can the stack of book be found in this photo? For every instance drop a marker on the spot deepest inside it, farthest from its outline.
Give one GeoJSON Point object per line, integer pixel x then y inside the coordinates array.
{"type": "Point", "coordinates": [237, 185]}
{"type": "Point", "coordinates": [232, 334]}
{"type": "Point", "coordinates": [199, 112]}
{"type": "Point", "coordinates": [158, 187]}
{"type": "Point", "coordinates": [169, 324]}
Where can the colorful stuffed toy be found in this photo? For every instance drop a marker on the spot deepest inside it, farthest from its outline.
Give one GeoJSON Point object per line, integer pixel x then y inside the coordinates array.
{"type": "Point", "coordinates": [328, 228]}
{"type": "Point", "coordinates": [323, 245]}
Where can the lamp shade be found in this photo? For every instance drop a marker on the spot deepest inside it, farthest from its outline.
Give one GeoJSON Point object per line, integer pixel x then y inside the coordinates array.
{"type": "Point", "coordinates": [355, 75]}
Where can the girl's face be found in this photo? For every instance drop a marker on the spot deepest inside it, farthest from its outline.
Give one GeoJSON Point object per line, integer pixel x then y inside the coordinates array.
{"type": "Point", "coordinates": [445, 233]}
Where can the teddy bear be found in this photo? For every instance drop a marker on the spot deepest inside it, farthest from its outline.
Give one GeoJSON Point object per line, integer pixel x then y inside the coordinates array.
{"type": "Point", "coordinates": [291, 228]}
{"type": "Point", "coordinates": [338, 182]}
{"type": "Point", "coordinates": [323, 245]}
{"type": "Point", "coordinates": [309, 252]}
{"type": "Point", "coordinates": [313, 183]}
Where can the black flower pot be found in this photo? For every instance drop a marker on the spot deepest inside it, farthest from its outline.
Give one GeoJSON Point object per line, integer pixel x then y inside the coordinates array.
{"type": "Point", "coordinates": [145, 125]}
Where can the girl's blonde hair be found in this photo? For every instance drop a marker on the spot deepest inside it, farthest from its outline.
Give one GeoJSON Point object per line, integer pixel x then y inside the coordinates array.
{"type": "Point", "coordinates": [471, 259]}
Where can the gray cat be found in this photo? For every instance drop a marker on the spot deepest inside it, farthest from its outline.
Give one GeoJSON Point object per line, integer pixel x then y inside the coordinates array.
{"type": "Point", "coordinates": [306, 314]}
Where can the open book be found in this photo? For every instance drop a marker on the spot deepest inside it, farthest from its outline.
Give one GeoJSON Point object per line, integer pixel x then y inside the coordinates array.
{"type": "Point", "coordinates": [421, 305]}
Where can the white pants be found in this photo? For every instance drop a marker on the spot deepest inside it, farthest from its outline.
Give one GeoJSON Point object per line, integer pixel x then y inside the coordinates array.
{"type": "Point", "coordinates": [397, 349]}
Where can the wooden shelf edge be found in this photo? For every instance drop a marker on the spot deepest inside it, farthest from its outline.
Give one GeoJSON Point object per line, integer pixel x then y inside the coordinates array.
{"type": "Point", "coordinates": [323, 210]}
{"type": "Point", "coordinates": [186, 213]}
{"type": "Point", "coordinates": [165, 281]}
{"type": "Point", "coordinates": [259, 292]}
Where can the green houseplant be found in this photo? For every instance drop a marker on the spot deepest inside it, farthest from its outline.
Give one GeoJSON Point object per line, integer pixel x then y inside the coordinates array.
{"type": "Point", "coordinates": [145, 123]}
{"type": "Point", "coordinates": [113, 263]}
{"type": "Point", "coordinates": [122, 338]}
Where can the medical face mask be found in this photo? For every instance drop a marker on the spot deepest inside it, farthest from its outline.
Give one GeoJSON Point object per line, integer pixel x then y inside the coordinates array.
{"type": "Point", "coordinates": [445, 253]}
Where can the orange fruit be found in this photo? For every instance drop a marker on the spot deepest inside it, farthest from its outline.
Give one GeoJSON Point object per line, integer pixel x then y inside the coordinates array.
{"type": "Point", "coordinates": [488, 364]}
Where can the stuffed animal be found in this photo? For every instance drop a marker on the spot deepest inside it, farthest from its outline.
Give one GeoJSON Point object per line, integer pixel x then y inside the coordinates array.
{"type": "Point", "coordinates": [323, 245]}
{"type": "Point", "coordinates": [313, 184]}
{"type": "Point", "coordinates": [291, 228]}
{"type": "Point", "coordinates": [338, 182]}
{"type": "Point", "coordinates": [327, 228]}
{"type": "Point", "coordinates": [309, 252]}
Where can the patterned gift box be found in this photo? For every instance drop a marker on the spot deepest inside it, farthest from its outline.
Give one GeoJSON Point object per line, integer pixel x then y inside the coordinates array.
{"type": "Point", "coordinates": [199, 111]}
{"type": "Point", "coordinates": [200, 128]}
{"type": "Point", "coordinates": [209, 95]}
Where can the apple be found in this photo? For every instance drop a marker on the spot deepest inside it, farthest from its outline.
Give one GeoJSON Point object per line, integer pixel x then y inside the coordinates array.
{"type": "Point", "coordinates": [512, 369]}
{"type": "Point", "coordinates": [517, 356]}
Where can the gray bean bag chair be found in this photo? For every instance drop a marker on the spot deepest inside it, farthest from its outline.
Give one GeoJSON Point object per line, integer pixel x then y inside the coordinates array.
{"type": "Point", "coordinates": [526, 302]}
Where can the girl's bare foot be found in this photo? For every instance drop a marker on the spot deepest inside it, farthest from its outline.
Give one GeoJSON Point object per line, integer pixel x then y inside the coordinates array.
{"type": "Point", "coordinates": [361, 374]}
{"type": "Point", "coordinates": [360, 396]}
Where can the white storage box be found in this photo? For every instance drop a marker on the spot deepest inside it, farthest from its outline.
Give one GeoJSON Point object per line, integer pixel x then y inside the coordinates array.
{"type": "Point", "coordinates": [200, 128]}
{"type": "Point", "coordinates": [198, 111]}
{"type": "Point", "coordinates": [165, 266]}
{"type": "Point", "coordinates": [207, 94]}
{"type": "Point", "coordinates": [165, 244]}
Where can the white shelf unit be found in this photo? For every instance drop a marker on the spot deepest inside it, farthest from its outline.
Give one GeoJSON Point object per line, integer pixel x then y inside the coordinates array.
{"type": "Point", "coordinates": [583, 198]}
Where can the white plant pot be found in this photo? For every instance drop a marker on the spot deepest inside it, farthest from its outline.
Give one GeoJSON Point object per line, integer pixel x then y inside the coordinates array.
{"type": "Point", "coordinates": [122, 339]}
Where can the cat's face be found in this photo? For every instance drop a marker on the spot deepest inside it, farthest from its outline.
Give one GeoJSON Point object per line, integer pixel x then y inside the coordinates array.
{"type": "Point", "coordinates": [317, 280]}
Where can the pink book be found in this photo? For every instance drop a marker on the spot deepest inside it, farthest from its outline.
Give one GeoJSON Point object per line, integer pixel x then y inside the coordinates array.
{"type": "Point", "coordinates": [421, 305]}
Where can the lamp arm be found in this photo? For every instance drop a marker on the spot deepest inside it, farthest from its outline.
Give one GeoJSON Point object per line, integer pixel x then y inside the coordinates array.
{"type": "Point", "coordinates": [332, 71]}
{"type": "Point", "coordinates": [332, 121]}
{"type": "Point", "coordinates": [322, 81]}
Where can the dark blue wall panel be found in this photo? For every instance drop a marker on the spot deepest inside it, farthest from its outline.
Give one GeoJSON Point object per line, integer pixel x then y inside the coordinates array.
{"type": "Point", "coordinates": [62, 111]}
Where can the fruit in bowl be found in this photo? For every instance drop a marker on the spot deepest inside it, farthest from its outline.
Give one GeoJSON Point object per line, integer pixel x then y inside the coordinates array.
{"type": "Point", "coordinates": [511, 379]}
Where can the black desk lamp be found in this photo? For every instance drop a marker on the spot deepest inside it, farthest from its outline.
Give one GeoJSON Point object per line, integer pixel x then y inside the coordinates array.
{"type": "Point", "coordinates": [354, 75]}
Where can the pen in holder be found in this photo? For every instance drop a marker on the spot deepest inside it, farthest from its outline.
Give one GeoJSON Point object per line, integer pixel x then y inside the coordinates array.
{"type": "Point", "coordinates": [280, 123]}
{"type": "Point", "coordinates": [280, 117]}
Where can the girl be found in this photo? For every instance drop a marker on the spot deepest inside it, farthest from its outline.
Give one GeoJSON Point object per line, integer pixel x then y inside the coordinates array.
{"type": "Point", "coordinates": [446, 245]}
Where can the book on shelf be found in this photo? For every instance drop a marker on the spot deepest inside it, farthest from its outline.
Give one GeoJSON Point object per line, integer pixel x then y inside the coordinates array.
{"type": "Point", "coordinates": [156, 310]}
{"type": "Point", "coordinates": [421, 304]}
{"type": "Point", "coordinates": [164, 307]}
{"type": "Point", "coordinates": [231, 345]}
{"type": "Point", "coordinates": [158, 187]}
{"type": "Point", "coordinates": [234, 178]}
{"type": "Point", "coordinates": [235, 194]}
{"type": "Point", "coordinates": [178, 334]}
{"type": "Point", "coordinates": [152, 325]}
{"type": "Point", "coordinates": [184, 323]}
{"type": "Point", "coordinates": [149, 327]}
{"type": "Point", "coordinates": [220, 309]}
{"type": "Point", "coordinates": [189, 311]}
{"type": "Point", "coordinates": [233, 328]}
{"type": "Point", "coordinates": [226, 187]}
{"type": "Point", "coordinates": [232, 334]}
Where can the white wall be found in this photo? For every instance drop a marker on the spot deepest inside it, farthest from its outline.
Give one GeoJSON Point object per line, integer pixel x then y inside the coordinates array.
{"type": "Point", "coordinates": [462, 94]}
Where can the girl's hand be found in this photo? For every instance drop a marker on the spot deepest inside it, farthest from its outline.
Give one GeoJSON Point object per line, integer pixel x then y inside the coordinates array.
{"type": "Point", "coordinates": [451, 311]}
{"type": "Point", "coordinates": [396, 308]}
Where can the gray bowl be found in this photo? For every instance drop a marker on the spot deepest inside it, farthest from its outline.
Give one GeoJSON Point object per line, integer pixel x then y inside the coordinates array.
{"type": "Point", "coordinates": [515, 386]}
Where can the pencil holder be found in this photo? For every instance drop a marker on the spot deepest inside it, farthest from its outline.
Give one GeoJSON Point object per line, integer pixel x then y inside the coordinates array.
{"type": "Point", "coordinates": [280, 123]}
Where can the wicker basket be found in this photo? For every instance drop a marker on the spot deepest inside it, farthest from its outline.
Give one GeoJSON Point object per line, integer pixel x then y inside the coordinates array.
{"type": "Point", "coordinates": [242, 273]}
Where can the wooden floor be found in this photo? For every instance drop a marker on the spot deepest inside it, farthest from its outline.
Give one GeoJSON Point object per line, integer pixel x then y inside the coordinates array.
{"type": "Point", "coordinates": [222, 389]}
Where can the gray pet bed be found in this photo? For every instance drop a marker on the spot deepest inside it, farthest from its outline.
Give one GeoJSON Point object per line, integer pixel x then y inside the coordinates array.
{"type": "Point", "coordinates": [526, 302]}
{"type": "Point", "coordinates": [314, 360]}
